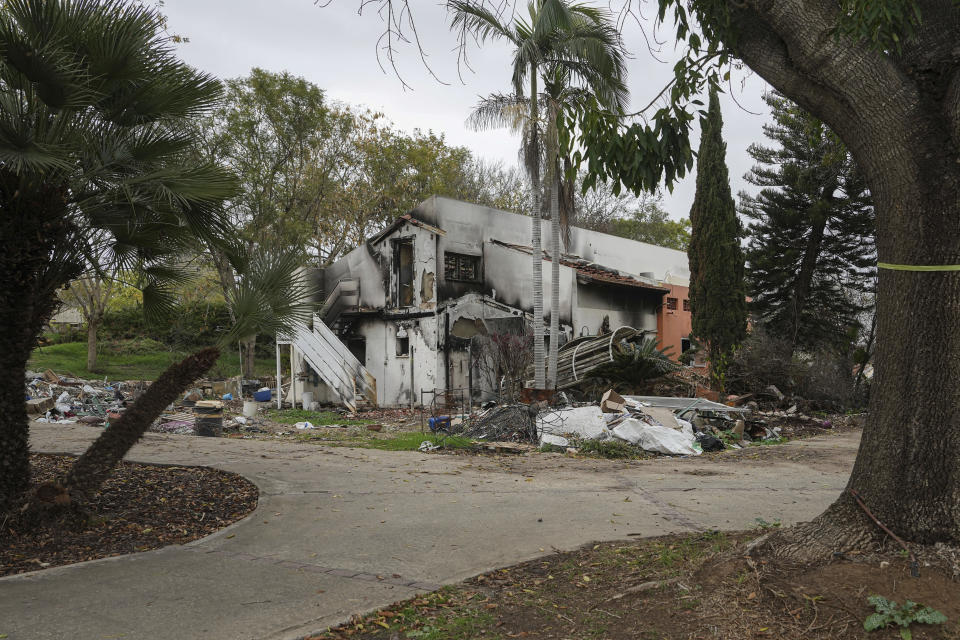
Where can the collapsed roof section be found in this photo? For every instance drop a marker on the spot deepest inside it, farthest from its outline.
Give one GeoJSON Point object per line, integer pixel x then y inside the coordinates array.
{"type": "Point", "coordinates": [590, 271]}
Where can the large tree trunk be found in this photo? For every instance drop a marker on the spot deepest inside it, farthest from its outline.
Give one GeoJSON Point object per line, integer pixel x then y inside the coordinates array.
{"type": "Point", "coordinates": [95, 465]}
{"type": "Point", "coordinates": [92, 327]}
{"type": "Point", "coordinates": [908, 466]}
{"type": "Point", "coordinates": [900, 117]}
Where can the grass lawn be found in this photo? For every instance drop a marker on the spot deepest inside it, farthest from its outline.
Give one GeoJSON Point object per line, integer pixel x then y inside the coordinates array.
{"type": "Point", "coordinates": [412, 442]}
{"type": "Point", "coordinates": [119, 362]}
{"type": "Point", "coordinates": [316, 418]}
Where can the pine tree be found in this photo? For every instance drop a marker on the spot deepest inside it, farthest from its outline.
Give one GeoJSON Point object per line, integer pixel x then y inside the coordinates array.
{"type": "Point", "coordinates": [717, 292]}
{"type": "Point", "coordinates": [811, 253]}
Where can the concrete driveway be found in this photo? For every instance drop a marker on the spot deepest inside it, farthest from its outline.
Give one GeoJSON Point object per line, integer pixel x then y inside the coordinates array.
{"type": "Point", "coordinates": [340, 531]}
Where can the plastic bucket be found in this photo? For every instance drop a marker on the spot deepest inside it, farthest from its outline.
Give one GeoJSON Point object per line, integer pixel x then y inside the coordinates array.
{"type": "Point", "coordinates": [249, 409]}
{"type": "Point", "coordinates": [262, 396]}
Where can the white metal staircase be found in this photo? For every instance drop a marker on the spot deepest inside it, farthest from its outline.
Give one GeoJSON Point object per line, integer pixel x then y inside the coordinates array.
{"type": "Point", "coordinates": [335, 364]}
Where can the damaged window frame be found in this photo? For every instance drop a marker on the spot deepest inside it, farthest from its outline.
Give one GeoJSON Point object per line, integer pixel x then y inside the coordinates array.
{"type": "Point", "coordinates": [476, 261]}
{"type": "Point", "coordinates": [672, 304]}
{"type": "Point", "coordinates": [404, 291]}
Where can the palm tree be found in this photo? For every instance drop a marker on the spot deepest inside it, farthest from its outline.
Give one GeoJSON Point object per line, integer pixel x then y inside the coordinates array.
{"type": "Point", "coordinates": [96, 170]}
{"type": "Point", "coordinates": [573, 49]}
{"type": "Point", "coordinates": [271, 297]}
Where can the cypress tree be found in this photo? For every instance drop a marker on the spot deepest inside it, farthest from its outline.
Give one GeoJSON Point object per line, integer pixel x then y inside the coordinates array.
{"type": "Point", "coordinates": [811, 254]}
{"type": "Point", "coordinates": [717, 291]}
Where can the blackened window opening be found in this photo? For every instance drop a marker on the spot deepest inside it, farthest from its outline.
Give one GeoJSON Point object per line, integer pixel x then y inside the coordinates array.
{"type": "Point", "coordinates": [457, 266]}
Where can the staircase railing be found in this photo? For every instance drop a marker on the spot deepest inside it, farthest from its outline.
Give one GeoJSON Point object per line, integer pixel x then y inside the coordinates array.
{"type": "Point", "coordinates": [334, 363]}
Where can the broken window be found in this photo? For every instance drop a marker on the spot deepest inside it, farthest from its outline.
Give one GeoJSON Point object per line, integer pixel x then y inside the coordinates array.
{"type": "Point", "coordinates": [672, 304]}
{"type": "Point", "coordinates": [457, 266]}
{"type": "Point", "coordinates": [403, 346]}
{"type": "Point", "coordinates": [403, 265]}
{"type": "Point", "coordinates": [686, 305]}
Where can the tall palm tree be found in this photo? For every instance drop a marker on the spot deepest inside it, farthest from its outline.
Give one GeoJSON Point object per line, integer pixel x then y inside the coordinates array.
{"type": "Point", "coordinates": [96, 169]}
{"type": "Point", "coordinates": [571, 48]}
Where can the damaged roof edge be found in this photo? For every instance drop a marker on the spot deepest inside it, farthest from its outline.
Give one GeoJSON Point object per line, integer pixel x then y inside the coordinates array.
{"type": "Point", "coordinates": [591, 271]}
{"type": "Point", "coordinates": [399, 222]}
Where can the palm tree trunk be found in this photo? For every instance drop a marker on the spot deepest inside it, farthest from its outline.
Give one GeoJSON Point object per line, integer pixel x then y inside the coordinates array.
{"type": "Point", "coordinates": [27, 300]}
{"type": "Point", "coordinates": [97, 462]}
{"type": "Point", "coordinates": [248, 353]}
{"type": "Point", "coordinates": [554, 273]}
{"type": "Point", "coordinates": [533, 164]}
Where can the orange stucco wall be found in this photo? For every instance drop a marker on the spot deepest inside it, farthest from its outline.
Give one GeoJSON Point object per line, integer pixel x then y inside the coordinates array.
{"type": "Point", "coordinates": [673, 325]}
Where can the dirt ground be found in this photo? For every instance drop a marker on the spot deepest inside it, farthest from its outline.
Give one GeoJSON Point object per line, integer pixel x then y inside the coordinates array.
{"type": "Point", "coordinates": [141, 507]}
{"type": "Point", "coordinates": [676, 587]}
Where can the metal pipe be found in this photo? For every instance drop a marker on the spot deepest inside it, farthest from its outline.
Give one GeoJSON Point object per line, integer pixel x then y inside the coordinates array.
{"type": "Point", "coordinates": [279, 385]}
{"type": "Point", "coordinates": [293, 375]}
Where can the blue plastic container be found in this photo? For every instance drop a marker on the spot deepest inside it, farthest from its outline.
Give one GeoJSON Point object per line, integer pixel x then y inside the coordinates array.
{"type": "Point", "coordinates": [262, 396]}
{"type": "Point", "coordinates": [440, 422]}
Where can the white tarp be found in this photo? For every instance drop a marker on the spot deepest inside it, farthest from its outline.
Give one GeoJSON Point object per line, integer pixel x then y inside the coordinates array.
{"type": "Point", "coordinates": [584, 422]}
{"type": "Point", "coordinates": [654, 437]}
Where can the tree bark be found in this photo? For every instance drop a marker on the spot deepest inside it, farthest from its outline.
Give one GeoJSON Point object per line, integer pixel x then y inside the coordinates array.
{"type": "Point", "coordinates": [33, 227]}
{"type": "Point", "coordinates": [226, 277]}
{"type": "Point", "coordinates": [248, 348]}
{"type": "Point", "coordinates": [554, 281]}
{"type": "Point", "coordinates": [95, 465]}
{"type": "Point", "coordinates": [533, 166]}
{"type": "Point", "coordinates": [900, 117]}
{"type": "Point", "coordinates": [808, 266]}
{"type": "Point", "coordinates": [92, 327]}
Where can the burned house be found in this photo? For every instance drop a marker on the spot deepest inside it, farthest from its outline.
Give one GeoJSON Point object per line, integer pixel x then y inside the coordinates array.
{"type": "Point", "coordinates": [401, 311]}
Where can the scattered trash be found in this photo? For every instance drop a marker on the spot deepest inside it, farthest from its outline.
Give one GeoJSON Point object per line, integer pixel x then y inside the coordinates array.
{"type": "Point", "coordinates": [304, 425]}
{"type": "Point", "coordinates": [426, 445]}
{"type": "Point", "coordinates": [709, 442]}
{"type": "Point", "coordinates": [502, 423]}
{"type": "Point", "coordinates": [551, 439]}
{"type": "Point", "coordinates": [208, 418]}
{"type": "Point", "coordinates": [439, 422]}
{"type": "Point", "coordinates": [612, 402]}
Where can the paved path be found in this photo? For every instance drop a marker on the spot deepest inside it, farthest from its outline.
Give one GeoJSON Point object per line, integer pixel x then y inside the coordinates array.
{"type": "Point", "coordinates": [341, 531]}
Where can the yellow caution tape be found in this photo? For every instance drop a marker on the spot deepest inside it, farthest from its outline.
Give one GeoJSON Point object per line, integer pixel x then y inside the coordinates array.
{"type": "Point", "coordinates": [918, 267]}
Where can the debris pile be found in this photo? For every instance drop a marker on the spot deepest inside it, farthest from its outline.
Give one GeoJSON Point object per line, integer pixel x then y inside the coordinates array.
{"type": "Point", "coordinates": [61, 399]}
{"type": "Point", "coordinates": [504, 423]}
{"type": "Point", "coordinates": [579, 357]}
{"type": "Point", "coordinates": [619, 418]}
{"type": "Point", "coordinates": [67, 400]}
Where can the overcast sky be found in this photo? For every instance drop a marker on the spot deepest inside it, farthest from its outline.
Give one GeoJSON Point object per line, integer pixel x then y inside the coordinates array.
{"type": "Point", "coordinates": [336, 49]}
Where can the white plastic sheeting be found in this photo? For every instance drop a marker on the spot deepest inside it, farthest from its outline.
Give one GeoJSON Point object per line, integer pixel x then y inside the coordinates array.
{"type": "Point", "coordinates": [590, 423]}
{"type": "Point", "coordinates": [655, 437]}
{"type": "Point", "coordinates": [583, 422]}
